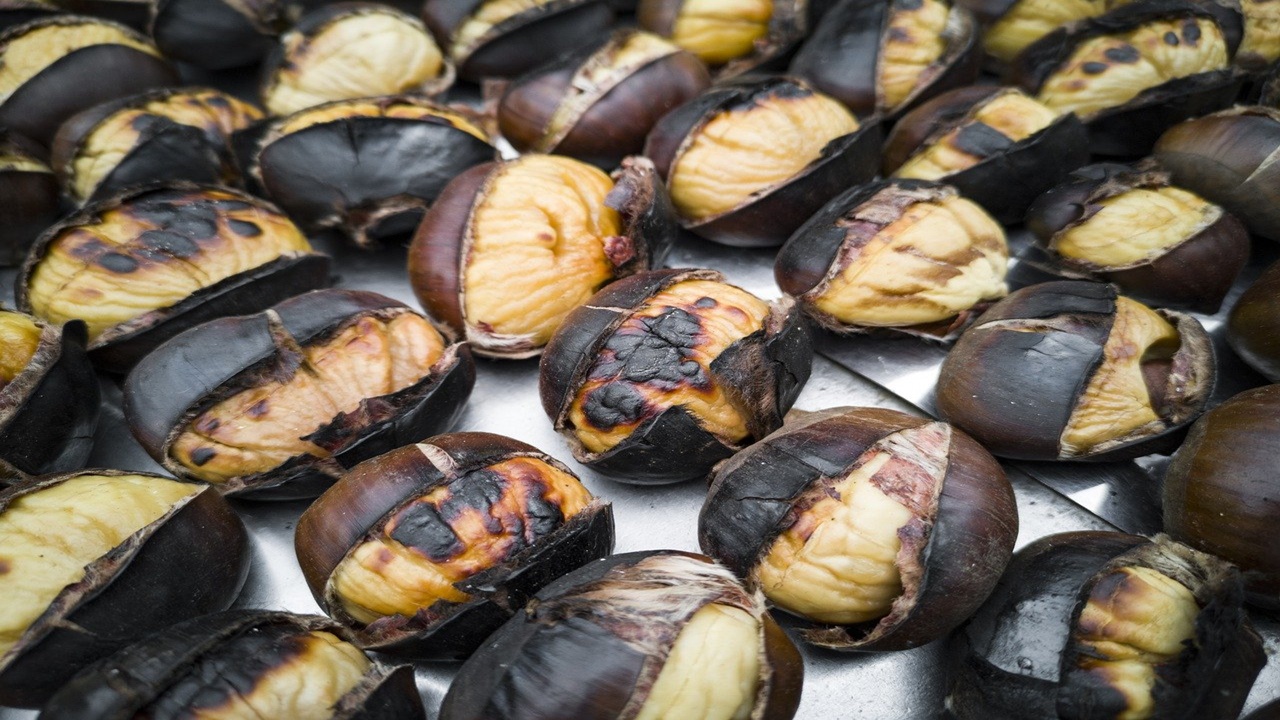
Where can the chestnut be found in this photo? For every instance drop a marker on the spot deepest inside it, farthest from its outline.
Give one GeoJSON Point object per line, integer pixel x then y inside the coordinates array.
{"type": "Point", "coordinates": [1221, 493]}
{"type": "Point", "coordinates": [881, 58]}
{"type": "Point", "coordinates": [1130, 226]}
{"type": "Point", "coordinates": [367, 167]}
{"type": "Point", "coordinates": [1071, 370]}
{"type": "Point", "coordinates": [49, 397]}
{"type": "Point", "coordinates": [1009, 26]}
{"type": "Point", "coordinates": [217, 34]}
{"type": "Point", "coordinates": [598, 105]}
{"type": "Point", "coordinates": [909, 255]}
{"type": "Point", "coordinates": [884, 531]}
{"type": "Point", "coordinates": [1253, 327]}
{"type": "Point", "coordinates": [658, 634]}
{"type": "Point", "coordinates": [1103, 624]}
{"type": "Point", "coordinates": [141, 267]}
{"type": "Point", "coordinates": [277, 405]}
{"type": "Point", "coordinates": [425, 550]}
{"type": "Point", "coordinates": [751, 159]}
{"type": "Point", "coordinates": [62, 64]}
{"type": "Point", "coordinates": [28, 196]}
{"type": "Point", "coordinates": [241, 663]}
{"type": "Point", "coordinates": [661, 375]}
{"type": "Point", "coordinates": [132, 553]}
{"type": "Point", "coordinates": [997, 146]}
{"type": "Point", "coordinates": [732, 36]}
{"type": "Point", "coordinates": [510, 248]}
{"type": "Point", "coordinates": [351, 50]}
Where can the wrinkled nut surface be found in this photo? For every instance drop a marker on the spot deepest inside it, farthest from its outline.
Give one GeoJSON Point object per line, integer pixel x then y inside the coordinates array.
{"type": "Point", "coordinates": [718, 31]}
{"type": "Point", "coordinates": [913, 41]}
{"type": "Point", "coordinates": [1026, 21]}
{"type": "Point", "coordinates": [991, 127]}
{"type": "Point", "coordinates": [1261, 43]}
{"type": "Point", "coordinates": [1136, 227]}
{"type": "Point", "coordinates": [26, 54]}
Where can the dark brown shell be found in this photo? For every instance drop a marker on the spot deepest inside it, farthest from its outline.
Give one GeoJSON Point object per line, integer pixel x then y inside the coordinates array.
{"type": "Point", "coordinates": [30, 199]}
{"type": "Point", "coordinates": [216, 34]}
{"type": "Point", "coordinates": [1253, 327]}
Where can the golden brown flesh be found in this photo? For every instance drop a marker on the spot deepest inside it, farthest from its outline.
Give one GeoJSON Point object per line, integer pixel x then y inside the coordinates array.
{"type": "Point", "coordinates": [19, 338]}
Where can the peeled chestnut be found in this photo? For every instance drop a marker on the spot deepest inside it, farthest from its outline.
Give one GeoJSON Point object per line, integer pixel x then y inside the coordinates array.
{"type": "Point", "coordinates": [28, 196]}
{"type": "Point", "coordinates": [909, 255]}
{"type": "Point", "coordinates": [97, 559]}
{"type": "Point", "coordinates": [1071, 370]}
{"type": "Point", "coordinates": [734, 36]}
{"type": "Point", "coordinates": [749, 160]}
{"type": "Point", "coordinates": [216, 34]}
{"type": "Point", "coordinates": [141, 267]}
{"type": "Point", "coordinates": [1129, 225]}
{"type": "Point", "coordinates": [241, 663]}
{"type": "Point", "coordinates": [884, 531]}
{"type": "Point", "coordinates": [510, 248]}
{"type": "Point", "coordinates": [279, 404]}
{"type": "Point", "coordinates": [661, 375]}
{"type": "Point", "coordinates": [658, 634]}
{"type": "Point", "coordinates": [598, 105]}
{"type": "Point", "coordinates": [1009, 26]}
{"type": "Point", "coordinates": [426, 550]}
{"type": "Point", "coordinates": [1253, 327]}
{"type": "Point", "coordinates": [1102, 624]}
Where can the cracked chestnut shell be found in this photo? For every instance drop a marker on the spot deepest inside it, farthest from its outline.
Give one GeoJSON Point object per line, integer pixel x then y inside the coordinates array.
{"type": "Point", "coordinates": [907, 255]}
{"type": "Point", "coordinates": [1253, 327]}
{"type": "Point", "coordinates": [368, 167]}
{"type": "Point", "coordinates": [133, 553]}
{"type": "Point", "coordinates": [995, 145]}
{"type": "Point", "coordinates": [217, 34]}
{"type": "Point", "coordinates": [748, 161]}
{"type": "Point", "coordinates": [279, 404]}
{"type": "Point", "coordinates": [883, 530]}
{"type": "Point", "coordinates": [661, 375]}
{"type": "Point", "coordinates": [1071, 370]}
{"type": "Point", "coordinates": [733, 37]}
{"type": "Point", "coordinates": [510, 248]}
{"type": "Point", "coordinates": [1102, 624]}
{"type": "Point", "coordinates": [241, 663]}
{"type": "Point", "coordinates": [1221, 493]}
{"type": "Point", "coordinates": [622, 636]}
{"type": "Point", "coordinates": [142, 267]}
{"type": "Point", "coordinates": [30, 192]}
{"type": "Point", "coordinates": [425, 550]}
{"type": "Point", "coordinates": [1009, 26]}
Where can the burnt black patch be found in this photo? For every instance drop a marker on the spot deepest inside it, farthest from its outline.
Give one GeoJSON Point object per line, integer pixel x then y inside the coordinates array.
{"type": "Point", "coordinates": [1094, 68]}
{"type": "Point", "coordinates": [146, 122]}
{"type": "Point", "coordinates": [169, 243]}
{"type": "Point", "coordinates": [1191, 32]}
{"type": "Point", "coordinates": [194, 227]}
{"type": "Point", "coordinates": [543, 516]}
{"type": "Point", "coordinates": [1124, 54]}
{"type": "Point", "coordinates": [705, 302]}
{"type": "Point", "coordinates": [659, 354]}
{"type": "Point", "coordinates": [244, 228]}
{"type": "Point", "coordinates": [428, 528]}
{"type": "Point", "coordinates": [981, 140]}
{"type": "Point", "coordinates": [200, 456]}
{"type": "Point", "coordinates": [1171, 38]}
{"type": "Point", "coordinates": [216, 101]}
{"type": "Point", "coordinates": [88, 249]}
{"type": "Point", "coordinates": [909, 4]}
{"type": "Point", "coordinates": [226, 205]}
{"type": "Point", "coordinates": [899, 35]}
{"type": "Point", "coordinates": [158, 212]}
{"type": "Point", "coordinates": [614, 404]}
{"type": "Point", "coordinates": [118, 262]}
{"type": "Point", "coordinates": [258, 409]}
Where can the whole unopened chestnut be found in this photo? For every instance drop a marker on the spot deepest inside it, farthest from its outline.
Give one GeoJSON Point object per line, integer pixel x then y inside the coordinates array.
{"type": "Point", "coordinates": [733, 36]}
{"type": "Point", "coordinates": [663, 374]}
{"type": "Point", "coordinates": [658, 634]}
{"type": "Point", "coordinates": [1071, 370]}
{"type": "Point", "coordinates": [510, 248]}
{"type": "Point", "coordinates": [217, 34]}
{"type": "Point", "coordinates": [29, 189]}
{"type": "Point", "coordinates": [883, 530]}
{"type": "Point", "coordinates": [280, 404]}
{"type": "Point", "coordinates": [1253, 327]}
{"type": "Point", "coordinates": [1129, 225]}
{"type": "Point", "coordinates": [100, 558]}
{"type": "Point", "coordinates": [1009, 26]}
{"type": "Point", "coordinates": [241, 663]}
{"type": "Point", "coordinates": [1108, 625]}
{"type": "Point", "coordinates": [424, 551]}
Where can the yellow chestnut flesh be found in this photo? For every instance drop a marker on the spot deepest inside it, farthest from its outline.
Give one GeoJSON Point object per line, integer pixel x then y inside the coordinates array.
{"type": "Point", "coordinates": [364, 108]}
{"type": "Point", "coordinates": [21, 163]}
{"type": "Point", "coordinates": [26, 55]}
{"type": "Point", "coordinates": [713, 670]}
{"type": "Point", "coordinates": [1011, 113]}
{"type": "Point", "coordinates": [718, 31]}
{"type": "Point", "coordinates": [470, 33]}
{"type": "Point", "coordinates": [19, 338]}
{"type": "Point", "coordinates": [913, 42]}
{"type": "Point", "coordinates": [1029, 20]}
{"type": "Point", "coordinates": [1261, 29]}
{"type": "Point", "coordinates": [1137, 226]}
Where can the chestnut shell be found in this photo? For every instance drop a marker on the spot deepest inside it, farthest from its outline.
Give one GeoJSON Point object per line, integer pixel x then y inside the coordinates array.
{"type": "Point", "coordinates": [1253, 327]}
{"type": "Point", "coordinates": [30, 200]}
{"type": "Point", "coordinates": [789, 22]}
{"type": "Point", "coordinates": [216, 34]}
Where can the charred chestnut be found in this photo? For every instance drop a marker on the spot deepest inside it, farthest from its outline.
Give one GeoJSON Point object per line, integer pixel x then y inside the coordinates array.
{"type": "Point", "coordinates": [426, 550]}
{"type": "Point", "coordinates": [1070, 370]}
{"type": "Point", "coordinates": [216, 34]}
{"type": "Point", "coordinates": [905, 254]}
{"type": "Point", "coordinates": [599, 105]}
{"type": "Point", "coordinates": [133, 553]}
{"type": "Point", "coordinates": [511, 248]}
{"type": "Point", "coordinates": [884, 530]}
{"type": "Point", "coordinates": [142, 267]}
{"type": "Point", "coordinates": [659, 634]}
{"type": "Point", "coordinates": [241, 663]}
{"type": "Point", "coordinates": [750, 160]}
{"type": "Point", "coordinates": [663, 374]}
{"type": "Point", "coordinates": [734, 36]}
{"type": "Point", "coordinates": [1253, 327]}
{"type": "Point", "coordinates": [1101, 624]}
{"type": "Point", "coordinates": [281, 403]}
{"type": "Point", "coordinates": [1009, 26]}
{"type": "Point", "coordinates": [1128, 225]}
{"type": "Point", "coordinates": [29, 193]}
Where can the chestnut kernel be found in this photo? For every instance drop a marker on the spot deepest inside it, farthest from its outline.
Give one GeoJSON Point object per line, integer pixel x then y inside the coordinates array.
{"type": "Point", "coordinates": [1260, 45]}
{"type": "Point", "coordinates": [1009, 26]}
{"type": "Point", "coordinates": [1271, 711]}
{"type": "Point", "coordinates": [30, 192]}
{"type": "Point", "coordinates": [733, 36]}
{"type": "Point", "coordinates": [1253, 327]}
{"type": "Point", "coordinates": [217, 34]}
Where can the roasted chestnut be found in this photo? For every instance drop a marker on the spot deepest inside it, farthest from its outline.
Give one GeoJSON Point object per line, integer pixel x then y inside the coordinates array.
{"type": "Point", "coordinates": [1221, 493]}
{"type": "Point", "coordinates": [426, 550]}
{"type": "Point", "coordinates": [663, 374]}
{"type": "Point", "coordinates": [279, 404]}
{"type": "Point", "coordinates": [141, 267]}
{"type": "Point", "coordinates": [54, 67]}
{"type": "Point", "coordinates": [1102, 624]}
{"type": "Point", "coordinates": [131, 553]}
{"type": "Point", "coordinates": [995, 145]}
{"type": "Point", "coordinates": [1129, 225]}
{"type": "Point", "coordinates": [510, 248]}
{"type": "Point", "coordinates": [659, 634]}
{"type": "Point", "coordinates": [1071, 370]}
{"type": "Point", "coordinates": [241, 663]}
{"type": "Point", "coordinates": [751, 159]}
{"type": "Point", "coordinates": [905, 254]}
{"type": "Point", "coordinates": [884, 530]}
{"type": "Point", "coordinates": [352, 50]}
{"type": "Point", "coordinates": [217, 34]}
{"type": "Point", "coordinates": [1253, 327]}
{"type": "Point", "coordinates": [161, 135]}
{"type": "Point", "coordinates": [28, 196]}
{"type": "Point", "coordinates": [598, 105]}
{"type": "Point", "coordinates": [368, 167]}
{"type": "Point", "coordinates": [734, 36]}
{"type": "Point", "coordinates": [1009, 26]}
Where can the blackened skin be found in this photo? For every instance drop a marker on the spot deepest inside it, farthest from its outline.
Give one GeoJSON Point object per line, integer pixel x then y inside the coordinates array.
{"type": "Point", "coordinates": [982, 140]}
